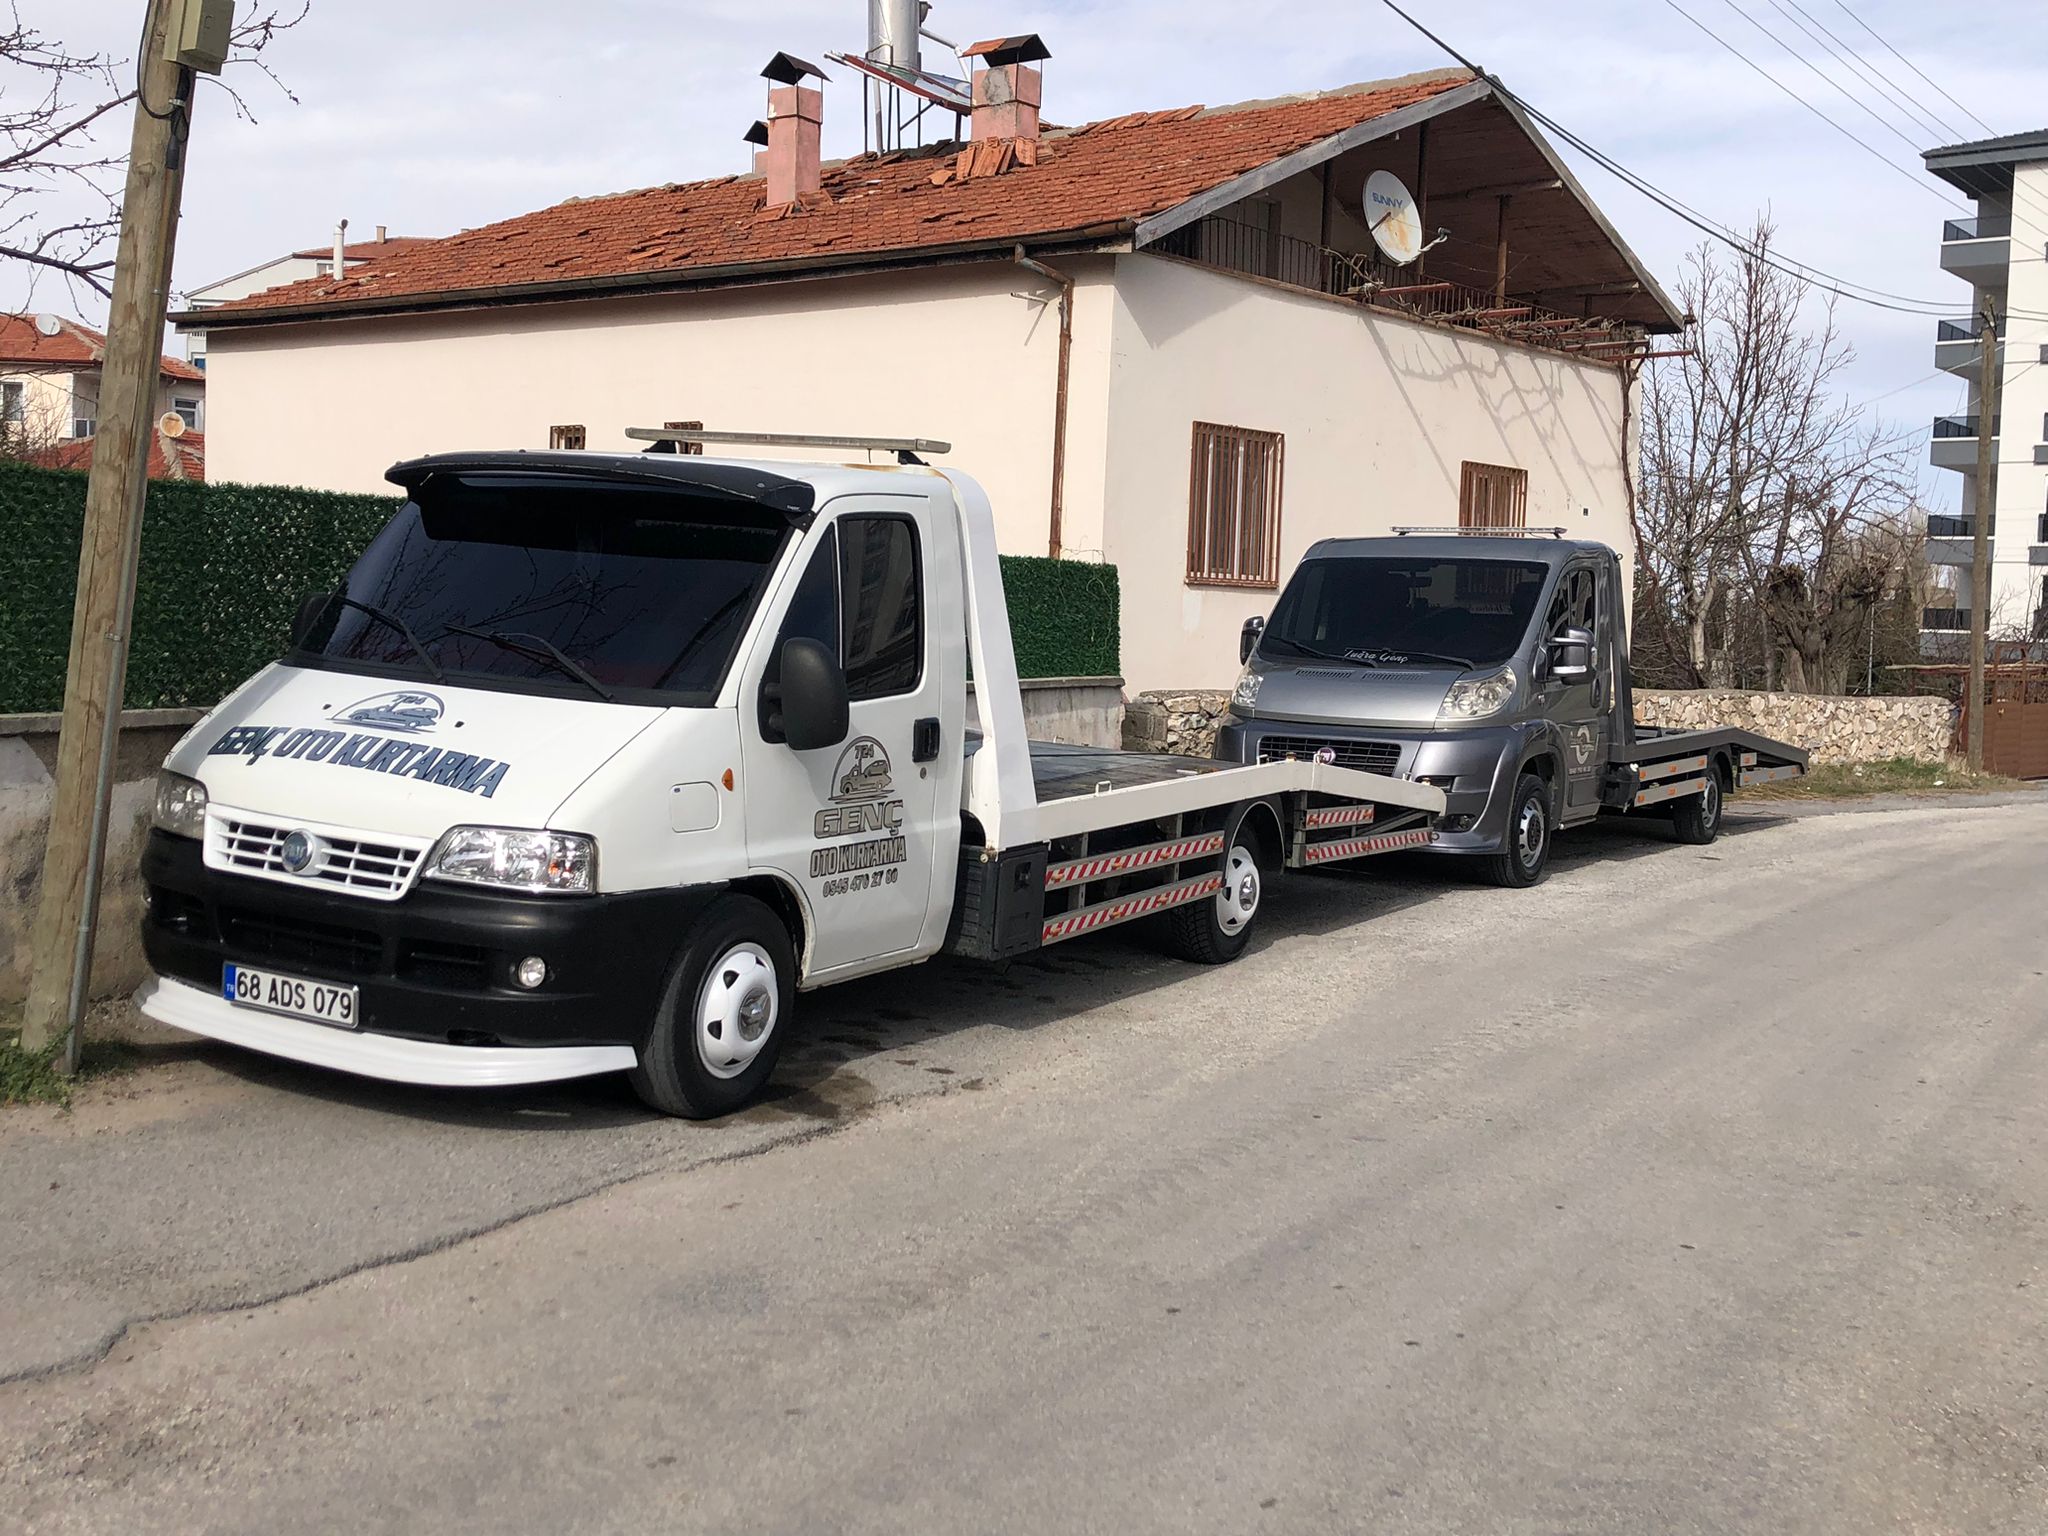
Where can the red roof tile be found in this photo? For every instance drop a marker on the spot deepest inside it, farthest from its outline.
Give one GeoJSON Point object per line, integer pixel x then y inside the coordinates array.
{"type": "Point", "coordinates": [182, 458]}
{"type": "Point", "coordinates": [74, 346]}
{"type": "Point", "coordinates": [1106, 175]}
{"type": "Point", "coordinates": [362, 250]}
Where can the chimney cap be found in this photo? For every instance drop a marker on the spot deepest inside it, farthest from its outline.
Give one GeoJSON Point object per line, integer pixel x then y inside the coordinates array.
{"type": "Point", "coordinates": [757, 134]}
{"type": "Point", "coordinates": [788, 69]}
{"type": "Point", "coordinates": [1025, 48]}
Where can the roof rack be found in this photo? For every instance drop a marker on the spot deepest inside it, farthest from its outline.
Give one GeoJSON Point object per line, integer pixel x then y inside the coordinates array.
{"type": "Point", "coordinates": [1484, 533]}
{"type": "Point", "coordinates": [668, 439]}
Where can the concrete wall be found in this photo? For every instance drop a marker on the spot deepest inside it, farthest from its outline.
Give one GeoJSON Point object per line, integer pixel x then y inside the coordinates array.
{"type": "Point", "coordinates": [1379, 414]}
{"type": "Point", "coordinates": [1080, 711]}
{"type": "Point", "coordinates": [968, 355]}
{"type": "Point", "coordinates": [28, 753]}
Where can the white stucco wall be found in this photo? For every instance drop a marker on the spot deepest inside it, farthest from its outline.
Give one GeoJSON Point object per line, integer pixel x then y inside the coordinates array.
{"type": "Point", "coordinates": [964, 355]}
{"type": "Point", "coordinates": [2018, 489]}
{"type": "Point", "coordinates": [50, 400]}
{"type": "Point", "coordinates": [1378, 414]}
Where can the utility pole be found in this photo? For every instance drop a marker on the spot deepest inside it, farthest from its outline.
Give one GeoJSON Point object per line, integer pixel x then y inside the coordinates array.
{"type": "Point", "coordinates": [177, 36]}
{"type": "Point", "coordinates": [1980, 521]}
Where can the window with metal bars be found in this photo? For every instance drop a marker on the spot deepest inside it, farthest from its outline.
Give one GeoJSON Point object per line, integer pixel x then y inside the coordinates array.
{"type": "Point", "coordinates": [1493, 496]}
{"type": "Point", "coordinates": [565, 437]}
{"type": "Point", "coordinates": [1234, 507]}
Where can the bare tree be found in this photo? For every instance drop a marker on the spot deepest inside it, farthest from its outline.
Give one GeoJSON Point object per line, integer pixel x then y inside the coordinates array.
{"type": "Point", "coordinates": [63, 146]}
{"type": "Point", "coordinates": [1763, 489]}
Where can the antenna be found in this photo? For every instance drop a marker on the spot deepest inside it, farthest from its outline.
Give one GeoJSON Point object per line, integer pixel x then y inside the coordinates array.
{"type": "Point", "coordinates": [1391, 216]}
{"type": "Point", "coordinates": [48, 325]}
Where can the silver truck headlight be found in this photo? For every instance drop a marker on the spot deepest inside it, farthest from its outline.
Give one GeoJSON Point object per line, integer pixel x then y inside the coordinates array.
{"type": "Point", "coordinates": [1246, 694]}
{"type": "Point", "coordinates": [516, 859]}
{"type": "Point", "coordinates": [1476, 698]}
{"type": "Point", "coordinates": [180, 805]}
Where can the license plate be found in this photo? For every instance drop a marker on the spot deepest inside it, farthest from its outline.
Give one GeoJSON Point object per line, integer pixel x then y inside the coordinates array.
{"type": "Point", "coordinates": [321, 1001]}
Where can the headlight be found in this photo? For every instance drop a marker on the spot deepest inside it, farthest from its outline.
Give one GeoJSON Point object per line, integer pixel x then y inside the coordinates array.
{"type": "Point", "coordinates": [1478, 697]}
{"type": "Point", "coordinates": [1246, 694]}
{"type": "Point", "coordinates": [516, 859]}
{"type": "Point", "coordinates": [180, 805]}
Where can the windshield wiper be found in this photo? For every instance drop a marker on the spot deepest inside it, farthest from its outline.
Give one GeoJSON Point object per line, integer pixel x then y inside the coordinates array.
{"type": "Point", "coordinates": [1315, 655]}
{"type": "Point", "coordinates": [385, 616]}
{"type": "Point", "coordinates": [1456, 661]}
{"type": "Point", "coordinates": [525, 643]}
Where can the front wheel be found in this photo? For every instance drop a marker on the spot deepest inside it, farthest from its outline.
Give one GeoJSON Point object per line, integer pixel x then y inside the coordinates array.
{"type": "Point", "coordinates": [719, 1028]}
{"type": "Point", "coordinates": [1216, 929]}
{"type": "Point", "coordinates": [1697, 818]}
{"type": "Point", "coordinates": [1524, 856]}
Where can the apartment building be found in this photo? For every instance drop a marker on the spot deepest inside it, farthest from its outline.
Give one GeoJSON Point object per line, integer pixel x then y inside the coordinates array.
{"type": "Point", "coordinates": [2002, 253]}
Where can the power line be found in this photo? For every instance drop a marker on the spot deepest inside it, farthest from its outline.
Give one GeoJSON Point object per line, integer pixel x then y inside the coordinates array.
{"type": "Point", "coordinates": [1866, 26]}
{"type": "Point", "coordinates": [1861, 143]}
{"type": "Point", "coordinates": [1832, 45]}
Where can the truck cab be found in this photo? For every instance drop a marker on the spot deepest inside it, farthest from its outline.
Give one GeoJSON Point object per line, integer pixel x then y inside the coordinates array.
{"type": "Point", "coordinates": [1494, 667]}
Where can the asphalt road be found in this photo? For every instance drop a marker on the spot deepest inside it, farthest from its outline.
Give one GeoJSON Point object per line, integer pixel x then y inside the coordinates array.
{"type": "Point", "coordinates": [1697, 1190]}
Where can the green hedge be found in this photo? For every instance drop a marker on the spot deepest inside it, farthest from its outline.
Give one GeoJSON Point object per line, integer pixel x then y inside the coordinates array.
{"type": "Point", "coordinates": [224, 567]}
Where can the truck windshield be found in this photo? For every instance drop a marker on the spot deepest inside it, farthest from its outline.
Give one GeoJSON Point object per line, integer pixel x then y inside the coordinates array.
{"type": "Point", "coordinates": [642, 590]}
{"type": "Point", "coordinates": [1380, 612]}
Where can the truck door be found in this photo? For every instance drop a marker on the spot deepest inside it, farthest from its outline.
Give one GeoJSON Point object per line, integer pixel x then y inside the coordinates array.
{"type": "Point", "coordinates": [853, 825]}
{"type": "Point", "coordinates": [1578, 706]}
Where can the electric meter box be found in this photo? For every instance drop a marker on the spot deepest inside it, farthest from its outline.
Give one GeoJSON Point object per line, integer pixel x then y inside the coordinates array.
{"type": "Point", "coordinates": [198, 34]}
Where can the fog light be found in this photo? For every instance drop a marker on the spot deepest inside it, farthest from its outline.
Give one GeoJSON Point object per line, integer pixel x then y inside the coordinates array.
{"type": "Point", "coordinates": [530, 972]}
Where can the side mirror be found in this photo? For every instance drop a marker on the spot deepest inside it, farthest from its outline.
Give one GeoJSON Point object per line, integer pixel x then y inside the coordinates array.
{"type": "Point", "coordinates": [1571, 655]}
{"type": "Point", "coordinates": [807, 708]}
{"type": "Point", "coordinates": [1248, 637]}
{"type": "Point", "coordinates": [311, 606]}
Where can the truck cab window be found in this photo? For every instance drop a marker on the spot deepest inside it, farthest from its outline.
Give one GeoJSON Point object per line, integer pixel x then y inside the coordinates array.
{"type": "Point", "coordinates": [883, 620]}
{"type": "Point", "coordinates": [1573, 607]}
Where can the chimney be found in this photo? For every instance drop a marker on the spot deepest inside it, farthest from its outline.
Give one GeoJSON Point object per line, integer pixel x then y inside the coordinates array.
{"type": "Point", "coordinates": [757, 135]}
{"type": "Point", "coordinates": [340, 244]}
{"type": "Point", "coordinates": [380, 234]}
{"type": "Point", "coordinates": [796, 114]}
{"type": "Point", "coordinates": [1007, 90]}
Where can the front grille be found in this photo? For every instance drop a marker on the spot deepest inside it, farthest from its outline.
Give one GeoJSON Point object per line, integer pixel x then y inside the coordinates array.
{"type": "Point", "coordinates": [248, 934]}
{"type": "Point", "coordinates": [1367, 756]}
{"type": "Point", "coordinates": [378, 868]}
{"type": "Point", "coordinates": [444, 965]}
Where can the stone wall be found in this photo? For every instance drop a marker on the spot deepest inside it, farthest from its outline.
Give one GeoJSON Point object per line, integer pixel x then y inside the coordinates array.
{"type": "Point", "coordinates": [1834, 730]}
{"type": "Point", "coordinates": [28, 753]}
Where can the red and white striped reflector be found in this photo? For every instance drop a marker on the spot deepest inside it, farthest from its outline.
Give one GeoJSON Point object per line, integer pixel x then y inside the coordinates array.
{"type": "Point", "coordinates": [1135, 906]}
{"type": "Point", "coordinates": [1338, 816]}
{"type": "Point", "coordinates": [1354, 847]}
{"type": "Point", "coordinates": [1077, 871]}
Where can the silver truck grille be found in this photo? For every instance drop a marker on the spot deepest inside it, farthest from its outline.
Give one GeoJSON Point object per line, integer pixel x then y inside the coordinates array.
{"type": "Point", "coordinates": [378, 868]}
{"type": "Point", "coordinates": [1368, 756]}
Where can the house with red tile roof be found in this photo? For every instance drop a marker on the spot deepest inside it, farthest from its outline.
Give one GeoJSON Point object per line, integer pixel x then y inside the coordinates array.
{"type": "Point", "coordinates": [50, 387]}
{"type": "Point", "coordinates": [1173, 340]}
{"type": "Point", "coordinates": [295, 266]}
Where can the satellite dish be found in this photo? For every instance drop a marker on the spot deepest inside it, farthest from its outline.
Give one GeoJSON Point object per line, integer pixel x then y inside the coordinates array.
{"type": "Point", "coordinates": [171, 424]}
{"type": "Point", "coordinates": [48, 325]}
{"type": "Point", "coordinates": [1390, 215]}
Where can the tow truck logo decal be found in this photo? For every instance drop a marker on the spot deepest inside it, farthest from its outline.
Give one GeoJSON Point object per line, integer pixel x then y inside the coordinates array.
{"type": "Point", "coordinates": [408, 711]}
{"type": "Point", "coordinates": [859, 791]}
{"type": "Point", "coordinates": [1582, 744]}
{"type": "Point", "coordinates": [378, 754]}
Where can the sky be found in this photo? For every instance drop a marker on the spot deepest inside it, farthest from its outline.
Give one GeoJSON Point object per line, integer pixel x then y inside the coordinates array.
{"type": "Point", "coordinates": [438, 115]}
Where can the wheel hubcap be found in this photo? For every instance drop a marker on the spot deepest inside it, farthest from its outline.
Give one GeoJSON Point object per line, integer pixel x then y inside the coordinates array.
{"type": "Point", "coordinates": [1239, 898]}
{"type": "Point", "coordinates": [736, 1010]}
{"type": "Point", "coordinates": [1529, 834]}
{"type": "Point", "coordinates": [1710, 800]}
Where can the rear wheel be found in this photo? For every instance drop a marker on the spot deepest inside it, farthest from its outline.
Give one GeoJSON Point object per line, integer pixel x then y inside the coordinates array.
{"type": "Point", "coordinates": [1524, 856]}
{"type": "Point", "coordinates": [1697, 818]}
{"type": "Point", "coordinates": [723, 1014]}
{"type": "Point", "coordinates": [1216, 929]}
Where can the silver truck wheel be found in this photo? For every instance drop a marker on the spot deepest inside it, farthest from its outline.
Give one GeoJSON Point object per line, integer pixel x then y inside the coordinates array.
{"type": "Point", "coordinates": [1239, 898]}
{"type": "Point", "coordinates": [1524, 854]}
{"type": "Point", "coordinates": [738, 1007]}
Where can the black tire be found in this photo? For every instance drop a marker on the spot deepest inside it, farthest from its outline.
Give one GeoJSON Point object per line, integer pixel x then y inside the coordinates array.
{"type": "Point", "coordinates": [1696, 819]}
{"type": "Point", "coordinates": [1524, 856]}
{"type": "Point", "coordinates": [736, 962]}
{"type": "Point", "coordinates": [1216, 929]}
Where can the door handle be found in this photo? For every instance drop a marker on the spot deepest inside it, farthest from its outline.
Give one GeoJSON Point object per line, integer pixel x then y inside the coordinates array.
{"type": "Point", "coordinates": [924, 740]}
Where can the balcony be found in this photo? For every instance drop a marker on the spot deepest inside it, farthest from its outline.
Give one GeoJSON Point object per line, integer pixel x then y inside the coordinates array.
{"type": "Point", "coordinates": [1954, 444]}
{"type": "Point", "coordinates": [1951, 540]}
{"type": "Point", "coordinates": [1946, 621]}
{"type": "Point", "coordinates": [1955, 347]}
{"type": "Point", "coordinates": [1979, 249]}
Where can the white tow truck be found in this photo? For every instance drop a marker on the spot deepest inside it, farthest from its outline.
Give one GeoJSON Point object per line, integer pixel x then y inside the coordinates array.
{"type": "Point", "coordinates": [594, 761]}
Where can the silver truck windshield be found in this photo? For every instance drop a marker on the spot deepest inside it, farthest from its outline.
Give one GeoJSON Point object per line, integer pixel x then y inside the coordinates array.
{"type": "Point", "coordinates": [625, 591]}
{"type": "Point", "coordinates": [1382, 612]}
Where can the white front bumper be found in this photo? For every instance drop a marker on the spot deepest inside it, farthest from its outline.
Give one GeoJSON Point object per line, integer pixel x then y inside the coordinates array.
{"type": "Point", "coordinates": [187, 1007]}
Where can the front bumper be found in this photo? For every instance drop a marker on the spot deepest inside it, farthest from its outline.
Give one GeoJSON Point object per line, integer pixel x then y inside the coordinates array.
{"type": "Point", "coordinates": [433, 968]}
{"type": "Point", "coordinates": [1469, 766]}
